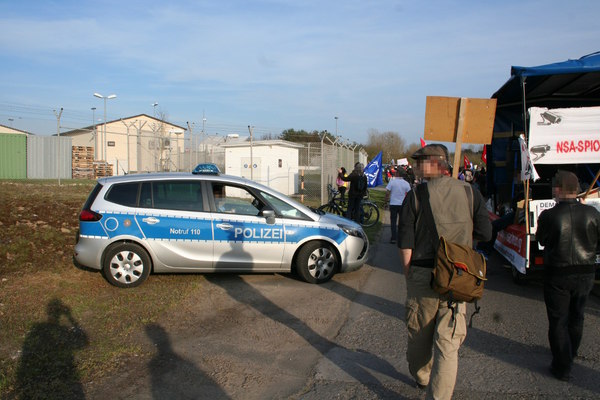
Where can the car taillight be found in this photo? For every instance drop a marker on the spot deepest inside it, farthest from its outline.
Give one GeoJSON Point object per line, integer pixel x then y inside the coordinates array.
{"type": "Point", "coordinates": [89, 216]}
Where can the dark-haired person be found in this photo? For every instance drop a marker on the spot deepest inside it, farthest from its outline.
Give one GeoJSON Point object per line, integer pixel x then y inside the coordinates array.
{"type": "Point", "coordinates": [436, 328]}
{"type": "Point", "coordinates": [357, 190]}
{"type": "Point", "coordinates": [570, 234]}
{"type": "Point", "coordinates": [341, 185]}
{"type": "Point", "coordinates": [395, 192]}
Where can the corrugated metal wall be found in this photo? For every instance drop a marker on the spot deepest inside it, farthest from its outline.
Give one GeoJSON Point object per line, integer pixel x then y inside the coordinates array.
{"type": "Point", "coordinates": [13, 164]}
{"type": "Point", "coordinates": [43, 157]}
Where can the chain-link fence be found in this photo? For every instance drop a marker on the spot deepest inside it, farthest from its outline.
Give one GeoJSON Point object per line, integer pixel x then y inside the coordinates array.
{"type": "Point", "coordinates": [151, 149]}
{"type": "Point", "coordinates": [319, 164]}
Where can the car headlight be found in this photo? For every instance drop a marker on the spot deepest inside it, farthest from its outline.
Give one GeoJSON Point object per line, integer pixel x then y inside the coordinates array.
{"type": "Point", "coordinates": [352, 231]}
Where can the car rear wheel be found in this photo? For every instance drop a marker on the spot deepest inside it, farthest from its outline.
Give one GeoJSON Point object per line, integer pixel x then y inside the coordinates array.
{"type": "Point", "coordinates": [126, 265]}
{"type": "Point", "coordinates": [316, 262]}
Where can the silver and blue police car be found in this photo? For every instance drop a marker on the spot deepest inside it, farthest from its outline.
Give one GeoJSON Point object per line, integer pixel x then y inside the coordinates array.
{"type": "Point", "coordinates": [205, 221]}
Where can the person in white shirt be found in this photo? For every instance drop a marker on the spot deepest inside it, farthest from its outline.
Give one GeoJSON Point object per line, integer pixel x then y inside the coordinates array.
{"type": "Point", "coordinates": [395, 193]}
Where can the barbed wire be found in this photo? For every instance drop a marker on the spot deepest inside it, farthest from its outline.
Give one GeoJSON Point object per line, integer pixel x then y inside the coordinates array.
{"type": "Point", "coordinates": [71, 119]}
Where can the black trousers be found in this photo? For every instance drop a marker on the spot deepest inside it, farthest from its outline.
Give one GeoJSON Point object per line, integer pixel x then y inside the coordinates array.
{"type": "Point", "coordinates": [395, 212]}
{"type": "Point", "coordinates": [565, 297]}
{"type": "Point", "coordinates": [353, 211]}
{"type": "Point", "coordinates": [342, 190]}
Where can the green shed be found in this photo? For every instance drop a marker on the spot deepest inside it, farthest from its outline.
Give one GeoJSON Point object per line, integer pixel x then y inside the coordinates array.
{"type": "Point", "coordinates": [13, 156]}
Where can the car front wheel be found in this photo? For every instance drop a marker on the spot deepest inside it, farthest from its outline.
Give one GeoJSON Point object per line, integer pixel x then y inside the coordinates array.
{"type": "Point", "coordinates": [316, 262]}
{"type": "Point", "coordinates": [126, 265]}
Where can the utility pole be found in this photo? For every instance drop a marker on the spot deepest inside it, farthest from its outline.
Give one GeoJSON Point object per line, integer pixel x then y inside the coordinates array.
{"type": "Point", "coordinates": [251, 159]}
{"type": "Point", "coordinates": [194, 145]}
{"type": "Point", "coordinates": [128, 152]}
{"type": "Point", "coordinates": [58, 141]}
{"type": "Point", "coordinates": [203, 136]}
{"type": "Point", "coordinates": [95, 133]}
{"type": "Point", "coordinates": [139, 144]}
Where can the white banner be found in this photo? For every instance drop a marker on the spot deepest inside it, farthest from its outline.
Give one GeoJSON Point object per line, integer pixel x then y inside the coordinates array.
{"type": "Point", "coordinates": [527, 168]}
{"type": "Point", "coordinates": [564, 135]}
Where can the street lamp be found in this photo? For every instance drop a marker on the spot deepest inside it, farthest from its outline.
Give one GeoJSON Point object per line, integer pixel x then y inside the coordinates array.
{"type": "Point", "coordinates": [154, 105]}
{"type": "Point", "coordinates": [112, 96]}
{"type": "Point", "coordinates": [336, 118]}
{"type": "Point", "coordinates": [177, 132]}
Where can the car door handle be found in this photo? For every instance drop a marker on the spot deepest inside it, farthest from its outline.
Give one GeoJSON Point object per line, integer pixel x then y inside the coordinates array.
{"type": "Point", "coordinates": [225, 227]}
{"type": "Point", "coordinates": [151, 220]}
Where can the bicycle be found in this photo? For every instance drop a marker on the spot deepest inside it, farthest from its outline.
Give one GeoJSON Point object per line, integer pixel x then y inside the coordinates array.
{"type": "Point", "coordinates": [369, 211]}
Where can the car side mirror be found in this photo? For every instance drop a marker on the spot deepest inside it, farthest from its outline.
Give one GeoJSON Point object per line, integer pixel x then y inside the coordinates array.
{"type": "Point", "coordinates": [269, 216]}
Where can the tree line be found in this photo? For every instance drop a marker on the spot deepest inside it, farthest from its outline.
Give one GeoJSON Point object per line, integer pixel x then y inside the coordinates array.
{"type": "Point", "coordinates": [392, 145]}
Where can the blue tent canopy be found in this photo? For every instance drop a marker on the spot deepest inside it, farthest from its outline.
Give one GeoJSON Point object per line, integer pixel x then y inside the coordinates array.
{"type": "Point", "coordinates": [571, 83]}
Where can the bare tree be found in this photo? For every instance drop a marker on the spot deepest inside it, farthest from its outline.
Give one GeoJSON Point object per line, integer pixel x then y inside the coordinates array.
{"type": "Point", "coordinates": [391, 144]}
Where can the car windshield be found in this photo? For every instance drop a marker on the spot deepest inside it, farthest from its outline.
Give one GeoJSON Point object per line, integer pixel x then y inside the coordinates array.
{"type": "Point", "coordinates": [281, 207]}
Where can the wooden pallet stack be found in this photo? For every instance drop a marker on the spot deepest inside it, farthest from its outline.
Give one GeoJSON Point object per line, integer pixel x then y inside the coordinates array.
{"type": "Point", "coordinates": [102, 168]}
{"type": "Point", "coordinates": [82, 162]}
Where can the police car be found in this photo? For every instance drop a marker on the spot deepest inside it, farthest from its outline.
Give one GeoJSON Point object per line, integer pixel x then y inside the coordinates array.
{"type": "Point", "coordinates": [205, 221]}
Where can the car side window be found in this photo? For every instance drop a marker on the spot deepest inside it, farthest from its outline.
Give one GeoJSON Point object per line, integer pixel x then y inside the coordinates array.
{"type": "Point", "coordinates": [146, 195]}
{"type": "Point", "coordinates": [231, 199]}
{"type": "Point", "coordinates": [125, 194]}
{"type": "Point", "coordinates": [284, 209]}
{"type": "Point", "coordinates": [176, 195]}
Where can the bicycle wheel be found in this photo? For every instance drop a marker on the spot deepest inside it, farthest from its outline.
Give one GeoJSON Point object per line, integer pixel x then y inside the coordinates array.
{"type": "Point", "coordinates": [369, 214]}
{"type": "Point", "coordinates": [330, 208]}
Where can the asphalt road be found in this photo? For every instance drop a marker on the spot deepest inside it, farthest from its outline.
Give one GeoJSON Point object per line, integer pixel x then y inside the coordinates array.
{"type": "Point", "coordinates": [273, 336]}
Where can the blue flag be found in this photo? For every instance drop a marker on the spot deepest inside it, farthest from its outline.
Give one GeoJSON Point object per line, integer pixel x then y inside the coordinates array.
{"type": "Point", "coordinates": [373, 171]}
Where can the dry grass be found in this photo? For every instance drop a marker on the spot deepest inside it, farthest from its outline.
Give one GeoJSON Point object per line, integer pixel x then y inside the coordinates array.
{"type": "Point", "coordinates": [59, 325]}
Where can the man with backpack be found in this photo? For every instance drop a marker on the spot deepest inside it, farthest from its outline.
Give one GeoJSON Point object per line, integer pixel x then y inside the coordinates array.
{"type": "Point", "coordinates": [358, 190]}
{"type": "Point", "coordinates": [436, 326]}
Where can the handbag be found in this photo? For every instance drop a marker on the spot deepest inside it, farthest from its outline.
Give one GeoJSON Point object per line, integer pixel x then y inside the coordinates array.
{"type": "Point", "coordinates": [459, 272]}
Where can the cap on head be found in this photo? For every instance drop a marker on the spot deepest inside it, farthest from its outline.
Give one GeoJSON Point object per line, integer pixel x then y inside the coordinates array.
{"type": "Point", "coordinates": [436, 151]}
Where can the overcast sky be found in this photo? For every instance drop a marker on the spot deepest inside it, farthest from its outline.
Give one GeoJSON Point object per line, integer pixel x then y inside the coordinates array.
{"type": "Point", "coordinates": [273, 64]}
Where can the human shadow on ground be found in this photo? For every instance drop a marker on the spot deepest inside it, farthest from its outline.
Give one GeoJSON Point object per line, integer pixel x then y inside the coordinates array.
{"type": "Point", "coordinates": [356, 363]}
{"type": "Point", "coordinates": [376, 303]}
{"type": "Point", "coordinates": [47, 365]}
{"type": "Point", "coordinates": [174, 377]}
{"type": "Point", "coordinates": [501, 348]}
{"type": "Point", "coordinates": [479, 340]}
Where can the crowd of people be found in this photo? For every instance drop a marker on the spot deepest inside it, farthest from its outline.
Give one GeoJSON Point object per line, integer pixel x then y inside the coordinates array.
{"type": "Point", "coordinates": [570, 232]}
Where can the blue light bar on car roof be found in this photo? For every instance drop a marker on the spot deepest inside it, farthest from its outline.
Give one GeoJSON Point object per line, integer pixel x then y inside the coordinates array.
{"type": "Point", "coordinates": [206, 169]}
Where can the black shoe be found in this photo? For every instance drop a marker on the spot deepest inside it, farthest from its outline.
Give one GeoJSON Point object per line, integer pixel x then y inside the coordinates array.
{"type": "Point", "coordinates": [393, 241]}
{"type": "Point", "coordinates": [561, 376]}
